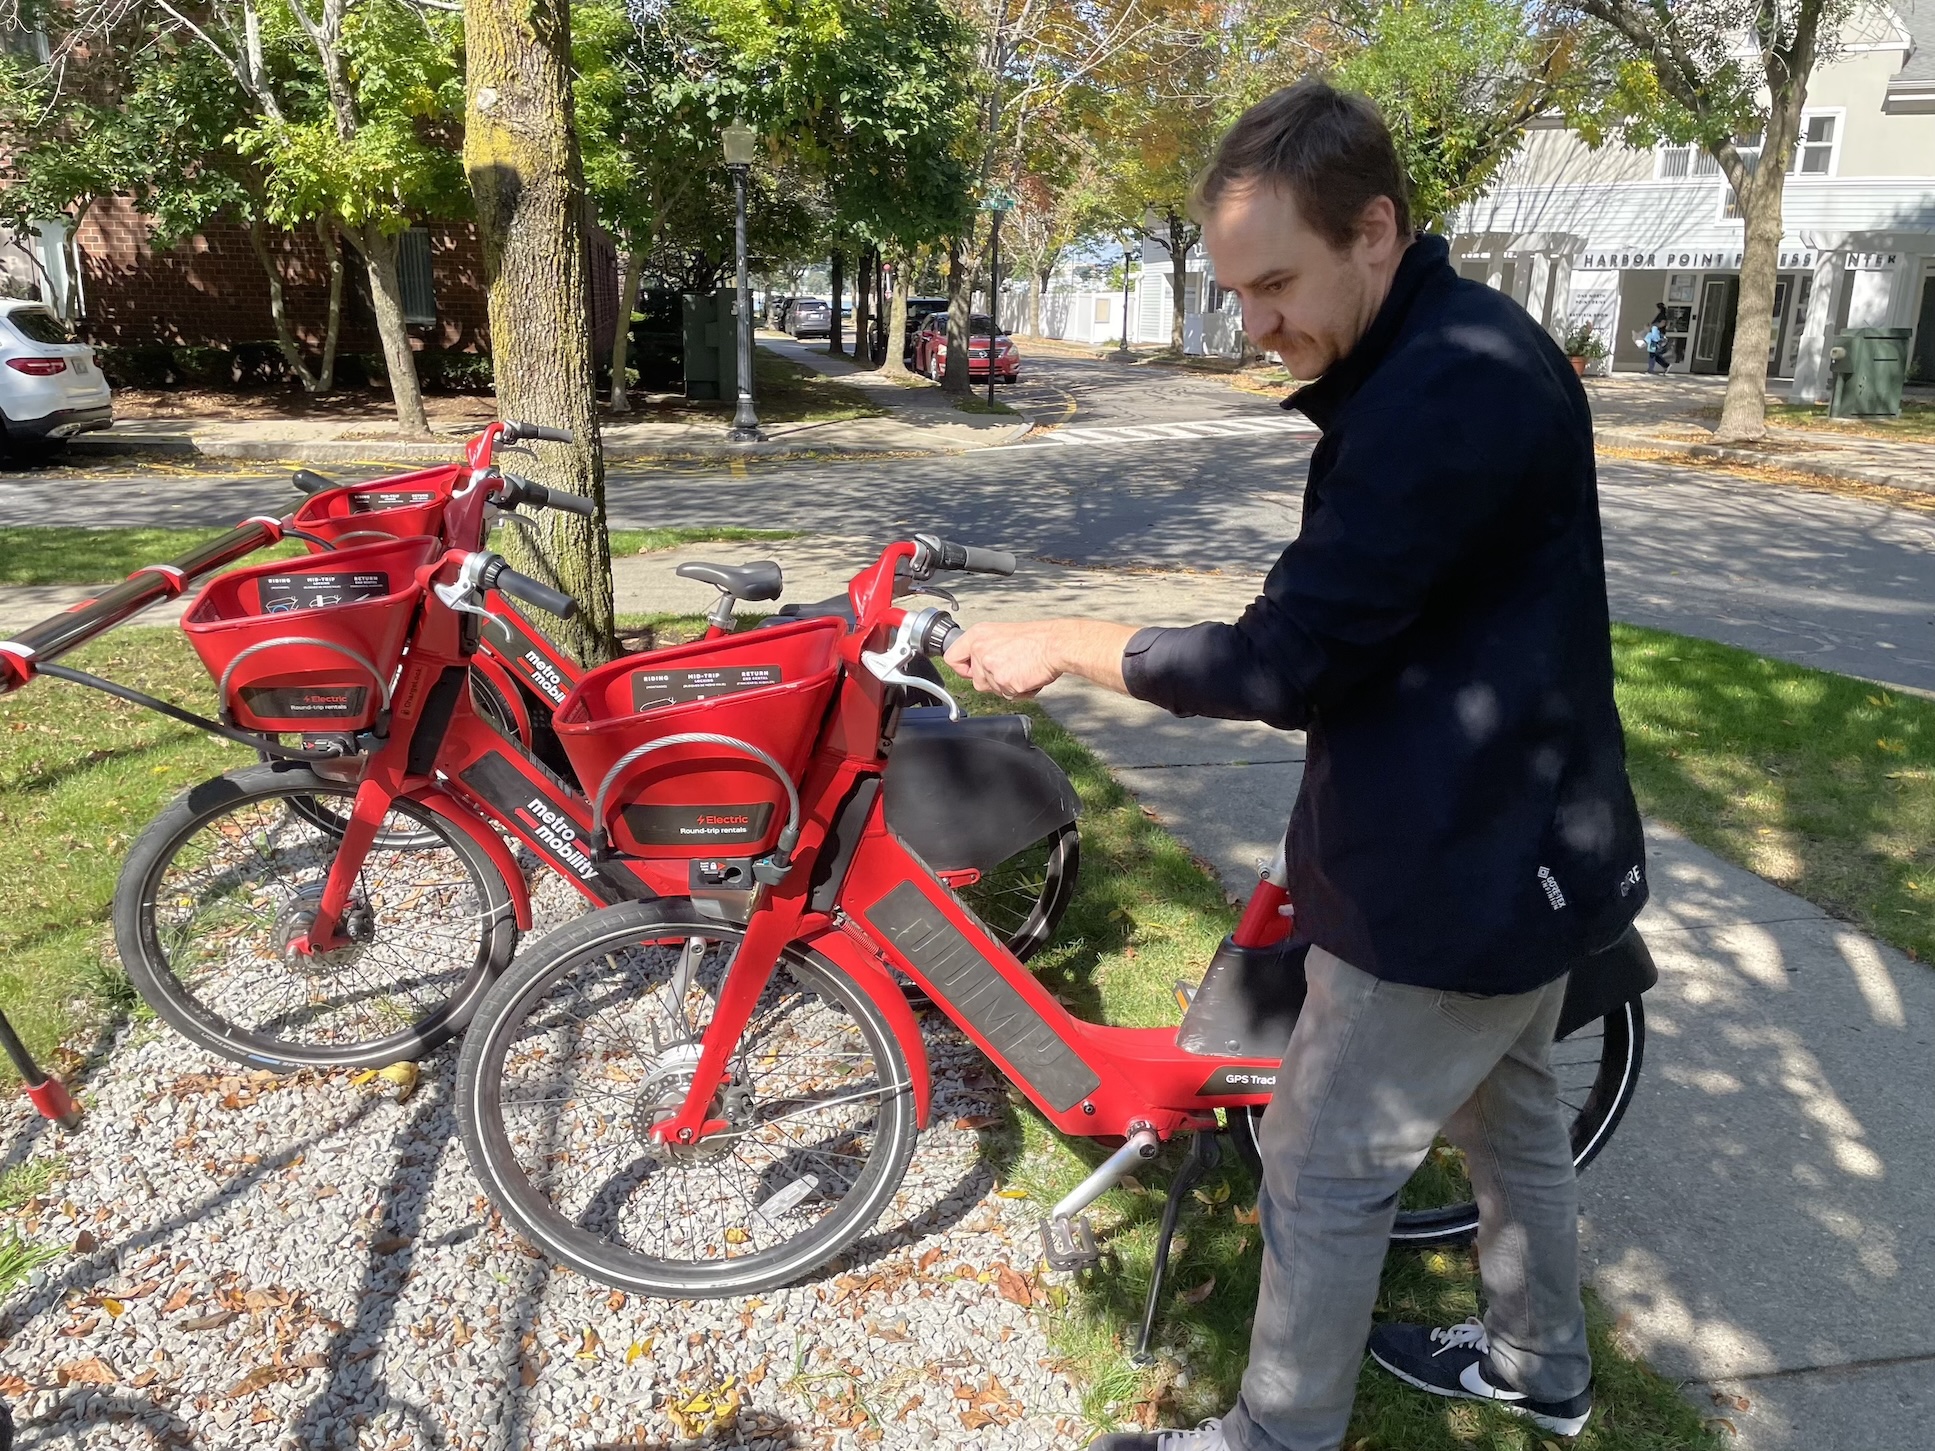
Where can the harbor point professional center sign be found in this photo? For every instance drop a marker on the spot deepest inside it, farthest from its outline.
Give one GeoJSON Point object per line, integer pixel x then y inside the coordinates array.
{"type": "Point", "coordinates": [1718, 259]}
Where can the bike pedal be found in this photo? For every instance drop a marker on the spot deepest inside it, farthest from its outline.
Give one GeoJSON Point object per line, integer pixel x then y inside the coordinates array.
{"type": "Point", "coordinates": [1069, 1244]}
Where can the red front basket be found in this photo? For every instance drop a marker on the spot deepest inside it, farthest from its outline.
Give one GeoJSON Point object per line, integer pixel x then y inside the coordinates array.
{"type": "Point", "coordinates": [310, 644]}
{"type": "Point", "coordinates": [766, 688]}
{"type": "Point", "coordinates": [403, 507]}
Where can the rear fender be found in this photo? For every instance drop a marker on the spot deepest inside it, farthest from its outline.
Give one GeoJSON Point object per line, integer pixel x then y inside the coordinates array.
{"type": "Point", "coordinates": [440, 803]}
{"type": "Point", "coordinates": [1606, 980]}
{"type": "Point", "coordinates": [964, 796]}
{"type": "Point", "coordinates": [854, 956]}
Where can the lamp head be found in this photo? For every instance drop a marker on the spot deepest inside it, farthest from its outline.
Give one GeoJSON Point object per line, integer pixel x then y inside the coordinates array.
{"type": "Point", "coordinates": [741, 143]}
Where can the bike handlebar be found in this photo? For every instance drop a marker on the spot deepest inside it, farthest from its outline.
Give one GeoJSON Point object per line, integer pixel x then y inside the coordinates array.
{"type": "Point", "coordinates": [529, 491]}
{"type": "Point", "coordinates": [968, 558]}
{"type": "Point", "coordinates": [500, 576]}
{"type": "Point", "coordinates": [517, 432]}
{"type": "Point", "coordinates": [309, 481]}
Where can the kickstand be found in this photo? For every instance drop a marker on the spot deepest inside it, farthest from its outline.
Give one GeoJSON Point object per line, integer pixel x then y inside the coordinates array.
{"type": "Point", "coordinates": [1202, 1157]}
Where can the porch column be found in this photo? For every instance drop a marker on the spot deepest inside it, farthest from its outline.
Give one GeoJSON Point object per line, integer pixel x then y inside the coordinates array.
{"type": "Point", "coordinates": [1811, 383]}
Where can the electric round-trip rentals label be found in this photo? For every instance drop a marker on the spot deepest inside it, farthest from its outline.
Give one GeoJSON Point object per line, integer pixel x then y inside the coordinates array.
{"type": "Point", "coordinates": [284, 592]}
{"type": "Point", "coordinates": [654, 688]}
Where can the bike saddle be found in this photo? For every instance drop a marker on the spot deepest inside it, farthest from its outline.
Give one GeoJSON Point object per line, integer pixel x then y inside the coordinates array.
{"type": "Point", "coordinates": [309, 481]}
{"type": "Point", "coordinates": [760, 580]}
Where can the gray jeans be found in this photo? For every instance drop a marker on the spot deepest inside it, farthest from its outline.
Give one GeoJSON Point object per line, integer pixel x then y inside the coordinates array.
{"type": "Point", "coordinates": [1374, 1071]}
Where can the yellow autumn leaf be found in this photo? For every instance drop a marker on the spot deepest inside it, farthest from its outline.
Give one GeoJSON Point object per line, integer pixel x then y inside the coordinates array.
{"type": "Point", "coordinates": [638, 1348]}
{"type": "Point", "coordinates": [357, 1080]}
{"type": "Point", "coordinates": [589, 1349]}
{"type": "Point", "coordinates": [403, 1076]}
{"type": "Point", "coordinates": [1012, 1193]}
{"type": "Point", "coordinates": [736, 1235]}
{"type": "Point", "coordinates": [112, 1306]}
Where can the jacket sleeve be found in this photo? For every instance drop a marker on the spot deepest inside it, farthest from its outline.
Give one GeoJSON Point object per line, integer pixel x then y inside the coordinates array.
{"type": "Point", "coordinates": [1414, 500]}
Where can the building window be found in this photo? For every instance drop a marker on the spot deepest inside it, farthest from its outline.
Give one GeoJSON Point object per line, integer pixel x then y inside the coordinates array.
{"type": "Point", "coordinates": [413, 275]}
{"type": "Point", "coordinates": [1814, 150]}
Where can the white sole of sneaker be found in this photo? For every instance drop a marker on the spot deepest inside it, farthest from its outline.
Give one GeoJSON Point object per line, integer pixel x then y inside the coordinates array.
{"type": "Point", "coordinates": [1567, 1426]}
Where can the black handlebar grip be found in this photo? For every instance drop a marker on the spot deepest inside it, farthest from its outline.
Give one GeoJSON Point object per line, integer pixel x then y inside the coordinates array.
{"type": "Point", "coordinates": [986, 561]}
{"type": "Point", "coordinates": [309, 481]}
{"type": "Point", "coordinates": [501, 576]}
{"type": "Point", "coordinates": [529, 491]}
{"type": "Point", "coordinates": [941, 632]}
{"type": "Point", "coordinates": [540, 432]}
{"type": "Point", "coordinates": [569, 503]}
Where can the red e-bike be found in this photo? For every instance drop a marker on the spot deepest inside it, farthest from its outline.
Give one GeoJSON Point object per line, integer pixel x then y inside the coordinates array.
{"type": "Point", "coordinates": [715, 1096]}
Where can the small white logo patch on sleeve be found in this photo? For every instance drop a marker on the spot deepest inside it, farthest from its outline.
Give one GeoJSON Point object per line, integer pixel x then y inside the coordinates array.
{"type": "Point", "coordinates": [1552, 892]}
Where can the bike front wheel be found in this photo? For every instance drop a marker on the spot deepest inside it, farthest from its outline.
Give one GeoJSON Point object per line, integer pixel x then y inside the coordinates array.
{"type": "Point", "coordinates": [593, 1037]}
{"type": "Point", "coordinates": [222, 882]}
{"type": "Point", "coordinates": [1596, 1067]}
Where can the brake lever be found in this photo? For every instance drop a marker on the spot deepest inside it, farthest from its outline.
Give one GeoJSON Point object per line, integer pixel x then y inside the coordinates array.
{"type": "Point", "coordinates": [461, 593]}
{"type": "Point", "coordinates": [933, 591]}
{"type": "Point", "coordinates": [887, 665]}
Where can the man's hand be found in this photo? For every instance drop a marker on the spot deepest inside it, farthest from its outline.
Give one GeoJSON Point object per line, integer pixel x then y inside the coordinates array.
{"type": "Point", "coordinates": [1016, 661]}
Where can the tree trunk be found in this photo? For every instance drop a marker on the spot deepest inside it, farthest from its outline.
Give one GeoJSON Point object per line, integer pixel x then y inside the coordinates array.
{"type": "Point", "coordinates": [521, 155]}
{"type": "Point", "coordinates": [621, 339]}
{"type": "Point", "coordinates": [332, 246]}
{"type": "Point", "coordinates": [1178, 286]}
{"type": "Point", "coordinates": [863, 310]}
{"type": "Point", "coordinates": [285, 337]}
{"type": "Point", "coordinates": [837, 284]}
{"type": "Point", "coordinates": [894, 365]}
{"type": "Point", "coordinates": [1037, 288]}
{"type": "Point", "coordinates": [379, 250]}
{"type": "Point", "coordinates": [955, 379]}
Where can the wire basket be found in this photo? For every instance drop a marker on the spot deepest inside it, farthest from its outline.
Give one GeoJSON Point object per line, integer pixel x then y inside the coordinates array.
{"type": "Point", "coordinates": [406, 506]}
{"type": "Point", "coordinates": [758, 697]}
{"type": "Point", "coordinates": [310, 644]}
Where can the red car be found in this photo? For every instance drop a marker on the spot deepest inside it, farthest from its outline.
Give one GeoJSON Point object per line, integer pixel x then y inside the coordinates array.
{"type": "Point", "coordinates": [930, 349]}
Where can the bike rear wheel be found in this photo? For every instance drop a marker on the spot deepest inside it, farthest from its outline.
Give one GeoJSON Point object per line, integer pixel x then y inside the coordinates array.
{"type": "Point", "coordinates": [593, 1036]}
{"type": "Point", "coordinates": [1597, 1068]}
{"type": "Point", "coordinates": [231, 871]}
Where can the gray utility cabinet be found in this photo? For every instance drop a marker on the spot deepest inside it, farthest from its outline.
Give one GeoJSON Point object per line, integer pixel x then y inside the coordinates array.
{"type": "Point", "coordinates": [1869, 365]}
{"type": "Point", "coordinates": [711, 346]}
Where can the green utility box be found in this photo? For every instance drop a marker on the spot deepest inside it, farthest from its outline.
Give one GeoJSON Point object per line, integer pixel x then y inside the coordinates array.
{"type": "Point", "coordinates": [1869, 365]}
{"type": "Point", "coordinates": [712, 349]}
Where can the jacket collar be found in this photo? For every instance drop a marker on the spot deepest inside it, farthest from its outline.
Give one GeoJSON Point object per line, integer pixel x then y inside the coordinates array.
{"type": "Point", "coordinates": [1320, 401]}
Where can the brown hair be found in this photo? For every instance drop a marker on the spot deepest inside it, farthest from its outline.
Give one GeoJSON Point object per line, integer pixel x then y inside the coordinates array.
{"type": "Point", "coordinates": [1329, 148]}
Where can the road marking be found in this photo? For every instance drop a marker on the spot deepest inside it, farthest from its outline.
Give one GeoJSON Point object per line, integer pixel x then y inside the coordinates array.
{"type": "Point", "coordinates": [1182, 431]}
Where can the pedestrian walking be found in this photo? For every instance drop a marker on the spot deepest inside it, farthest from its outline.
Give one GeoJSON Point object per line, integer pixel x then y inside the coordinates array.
{"type": "Point", "coordinates": [1655, 344]}
{"type": "Point", "coordinates": [1465, 831]}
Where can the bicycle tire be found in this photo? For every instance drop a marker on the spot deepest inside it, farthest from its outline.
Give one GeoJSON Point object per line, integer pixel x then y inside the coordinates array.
{"type": "Point", "coordinates": [532, 1001]}
{"type": "Point", "coordinates": [1024, 905]}
{"type": "Point", "coordinates": [240, 999]}
{"type": "Point", "coordinates": [1622, 1052]}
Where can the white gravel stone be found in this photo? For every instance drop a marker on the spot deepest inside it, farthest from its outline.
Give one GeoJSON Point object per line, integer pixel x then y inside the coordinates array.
{"type": "Point", "coordinates": [314, 1267]}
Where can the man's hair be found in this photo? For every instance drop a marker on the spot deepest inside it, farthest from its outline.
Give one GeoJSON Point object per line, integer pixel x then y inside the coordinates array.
{"type": "Point", "coordinates": [1329, 149]}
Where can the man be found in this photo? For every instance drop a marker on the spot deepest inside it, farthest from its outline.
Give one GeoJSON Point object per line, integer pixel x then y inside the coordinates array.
{"type": "Point", "coordinates": [1465, 830]}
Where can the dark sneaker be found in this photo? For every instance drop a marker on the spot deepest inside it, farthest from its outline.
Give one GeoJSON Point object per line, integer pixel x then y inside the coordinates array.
{"type": "Point", "coordinates": [1206, 1437]}
{"type": "Point", "coordinates": [1457, 1362]}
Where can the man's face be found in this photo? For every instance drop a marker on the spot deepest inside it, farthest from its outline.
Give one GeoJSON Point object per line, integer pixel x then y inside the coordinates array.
{"type": "Point", "coordinates": [1303, 299]}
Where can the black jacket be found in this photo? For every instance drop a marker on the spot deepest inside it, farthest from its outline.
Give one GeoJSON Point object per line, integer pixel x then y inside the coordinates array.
{"type": "Point", "coordinates": [1439, 628]}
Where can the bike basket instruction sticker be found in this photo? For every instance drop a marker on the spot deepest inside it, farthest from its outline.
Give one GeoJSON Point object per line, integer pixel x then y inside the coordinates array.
{"type": "Point", "coordinates": [683, 825]}
{"type": "Point", "coordinates": [387, 499]}
{"type": "Point", "coordinates": [305, 702]}
{"type": "Point", "coordinates": [652, 688]}
{"type": "Point", "coordinates": [284, 592]}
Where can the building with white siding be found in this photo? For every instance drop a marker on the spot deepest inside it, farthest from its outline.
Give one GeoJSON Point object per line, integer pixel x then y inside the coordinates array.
{"type": "Point", "coordinates": [1617, 235]}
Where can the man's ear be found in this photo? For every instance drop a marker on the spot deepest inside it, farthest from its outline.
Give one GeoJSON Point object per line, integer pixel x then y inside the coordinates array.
{"type": "Point", "coordinates": [1377, 230]}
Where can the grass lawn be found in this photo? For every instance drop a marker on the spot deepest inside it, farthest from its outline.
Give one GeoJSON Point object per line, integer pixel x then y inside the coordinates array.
{"type": "Point", "coordinates": [1145, 914]}
{"type": "Point", "coordinates": [1821, 783]}
{"type": "Point", "coordinates": [977, 402]}
{"type": "Point", "coordinates": [1915, 425]}
{"type": "Point", "coordinates": [650, 541]}
{"type": "Point", "coordinates": [31, 554]}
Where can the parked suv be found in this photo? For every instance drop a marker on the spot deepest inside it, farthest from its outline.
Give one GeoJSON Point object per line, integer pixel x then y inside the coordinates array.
{"type": "Point", "coordinates": [930, 349]}
{"type": "Point", "coordinates": [809, 317]}
{"type": "Point", "coordinates": [50, 386]}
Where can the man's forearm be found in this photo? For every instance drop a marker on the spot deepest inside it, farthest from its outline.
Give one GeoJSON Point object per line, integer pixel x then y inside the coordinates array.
{"type": "Point", "coordinates": [1093, 650]}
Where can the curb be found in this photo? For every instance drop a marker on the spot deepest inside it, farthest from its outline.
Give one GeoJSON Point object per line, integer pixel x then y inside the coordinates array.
{"type": "Point", "coordinates": [187, 445]}
{"type": "Point", "coordinates": [1922, 483]}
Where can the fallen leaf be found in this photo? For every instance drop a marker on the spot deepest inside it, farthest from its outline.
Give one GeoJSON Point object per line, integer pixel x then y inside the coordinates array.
{"type": "Point", "coordinates": [113, 1306]}
{"type": "Point", "coordinates": [141, 1382]}
{"type": "Point", "coordinates": [85, 1243]}
{"type": "Point", "coordinates": [314, 1360]}
{"type": "Point", "coordinates": [74, 1332]}
{"type": "Point", "coordinates": [402, 1077]}
{"type": "Point", "coordinates": [977, 1121]}
{"type": "Point", "coordinates": [1132, 1184]}
{"type": "Point", "coordinates": [927, 1260]}
{"type": "Point", "coordinates": [638, 1348]}
{"type": "Point", "coordinates": [1248, 1216]}
{"type": "Point", "coordinates": [1201, 1293]}
{"type": "Point", "coordinates": [390, 1245]}
{"type": "Point", "coordinates": [1012, 1193]}
{"type": "Point", "coordinates": [357, 1080]}
{"type": "Point", "coordinates": [214, 1321]}
{"type": "Point", "coordinates": [93, 1371]}
{"type": "Point", "coordinates": [257, 1379]}
{"type": "Point", "coordinates": [14, 1386]}
{"type": "Point", "coordinates": [615, 1300]}
{"type": "Point", "coordinates": [263, 1415]}
{"type": "Point", "coordinates": [588, 1350]}
{"type": "Point", "coordinates": [736, 1235]}
{"type": "Point", "coordinates": [1011, 1286]}
{"type": "Point", "coordinates": [527, 1375]}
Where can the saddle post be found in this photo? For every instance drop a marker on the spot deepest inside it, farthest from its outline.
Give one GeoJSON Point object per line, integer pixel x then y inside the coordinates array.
{"type": "Point", "coordinates": [1203, 1156]}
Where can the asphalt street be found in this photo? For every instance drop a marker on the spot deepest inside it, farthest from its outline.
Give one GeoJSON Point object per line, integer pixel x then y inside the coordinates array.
{"type": "Point", "coordinates": [1159, 468]}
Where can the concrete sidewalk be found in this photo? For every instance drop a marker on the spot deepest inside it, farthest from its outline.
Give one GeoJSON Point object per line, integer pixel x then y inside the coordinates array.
{"type": "Point", "coordinates": [1676, 415]}
{"type": "Point", "coordinates": [920, 420]}
{"type": "Point", "coordinates": [1759, 1223]}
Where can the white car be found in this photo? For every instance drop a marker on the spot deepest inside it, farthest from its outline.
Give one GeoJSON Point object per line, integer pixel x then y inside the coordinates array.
{"type": "Point", "coordinates": [50, 386]}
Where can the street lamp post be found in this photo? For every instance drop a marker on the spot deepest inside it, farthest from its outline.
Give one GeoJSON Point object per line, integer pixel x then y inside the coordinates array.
{"type": "Point", "coordinates": [998, 203]}
{"type": "Point", "coordinates": [740, 143]}
{"type": "Point", "coordinates": [1125, 299]}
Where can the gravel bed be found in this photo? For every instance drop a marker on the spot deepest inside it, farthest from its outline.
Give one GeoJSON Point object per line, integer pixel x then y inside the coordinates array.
{"type": "Point", "coordinates": [299, 1261]}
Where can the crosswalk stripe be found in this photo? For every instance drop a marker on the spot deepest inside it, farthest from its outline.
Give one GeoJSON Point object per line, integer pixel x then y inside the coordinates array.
{"type": "Point", "coordinates": [1181, 431]}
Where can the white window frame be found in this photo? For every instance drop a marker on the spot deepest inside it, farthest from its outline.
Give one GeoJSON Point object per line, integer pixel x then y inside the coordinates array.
{"type": "Point", "coordinates": [1840, 115]}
